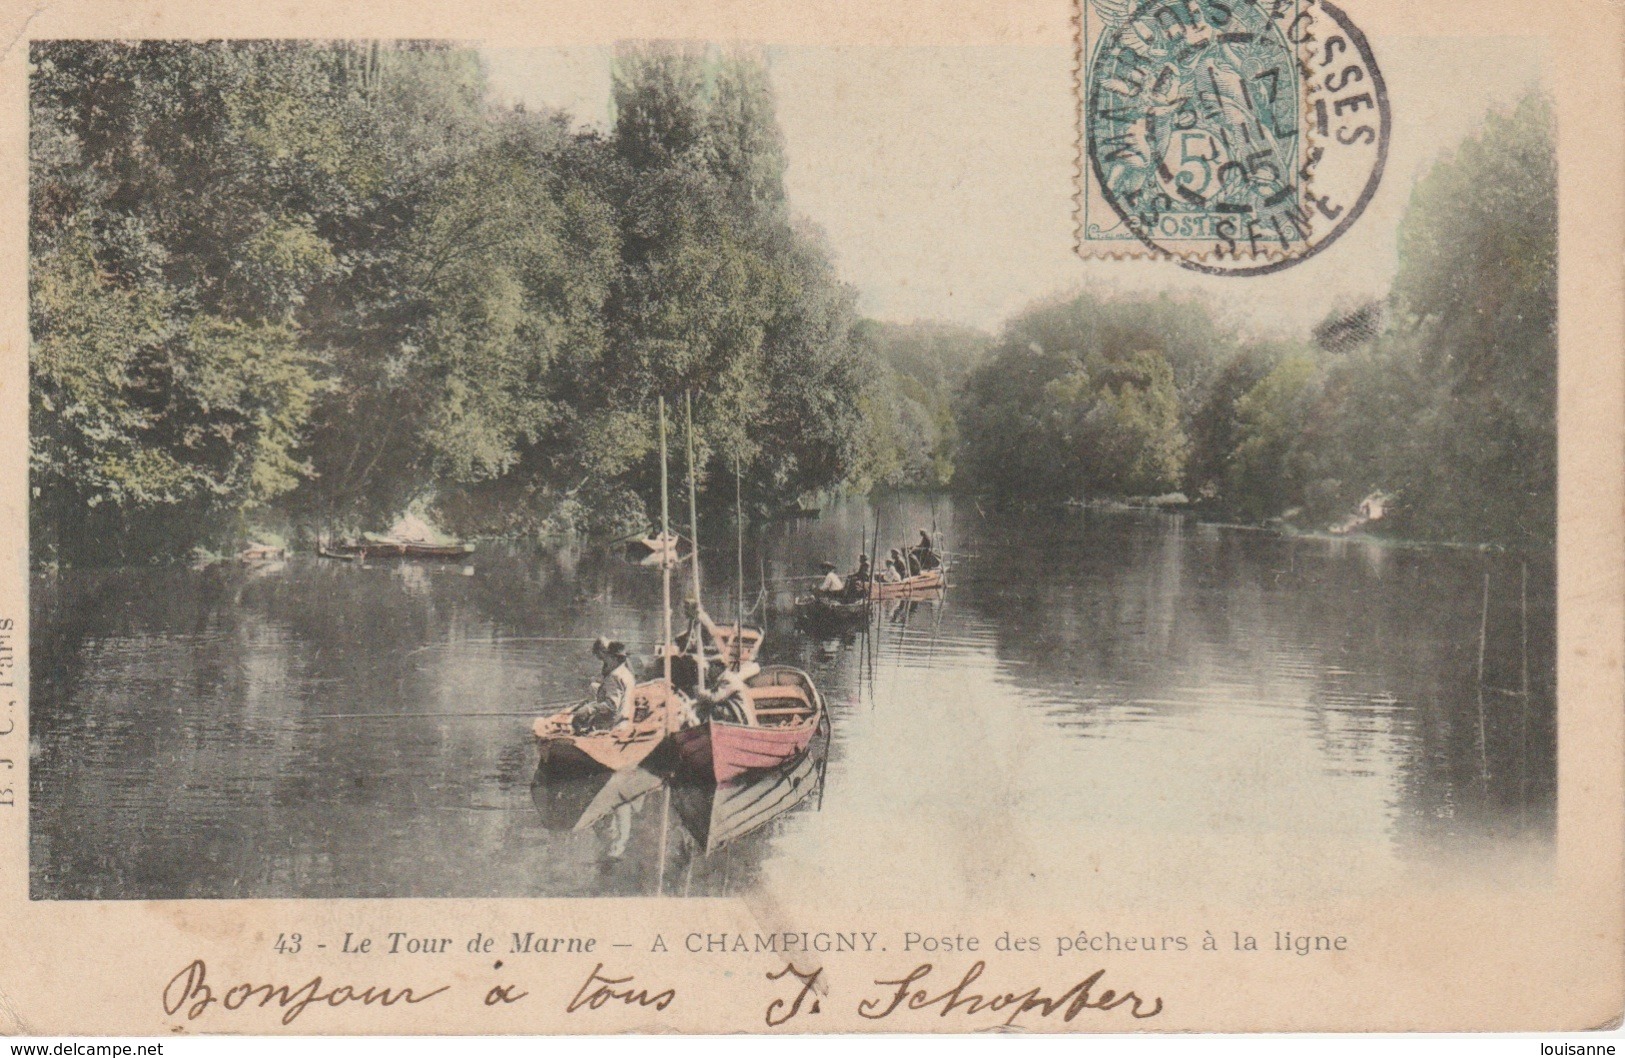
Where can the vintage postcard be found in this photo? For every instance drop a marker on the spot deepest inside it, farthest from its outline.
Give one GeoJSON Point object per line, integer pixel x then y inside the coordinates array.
{"type": "Point", "coordinates": [1046, 516]}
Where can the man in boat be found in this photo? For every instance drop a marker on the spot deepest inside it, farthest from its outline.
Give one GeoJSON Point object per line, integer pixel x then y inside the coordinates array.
{"type": "Point", "coordinates": [925, 553]}
{"type": "Point", "coordinates": [612, 703]}
{"type": "Point", "coordinates": [702, 628]}
{"type": "Point", "coordinates": [896, 568]}
{"type": "Point", "coordinates": [832, 585]}
{"type": "Point", "coordinates": [726, 702]}
{"type": "Point", "coordinates": [857, 582]}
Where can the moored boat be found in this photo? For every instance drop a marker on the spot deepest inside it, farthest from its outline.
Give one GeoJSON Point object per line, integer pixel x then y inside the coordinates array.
{"type": "Point", "coordinates": [737, 645]}
{"type": "Point", "coordinates": [783, 710]}
{"type": "Point", "coordinates": [657, 548]}
{"type": "Point", "coordinates": [656, 713]}
{"type": "Point", "coordinates": [371, 546]}
{"type": "Point", "coordinates": [717, 815]}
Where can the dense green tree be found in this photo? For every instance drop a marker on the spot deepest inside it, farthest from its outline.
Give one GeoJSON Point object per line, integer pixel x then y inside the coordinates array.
{"type": "Point", "coordinates": [1476, 302]}
{"type": "Point", "coordinates": [1090, 394]}
{"type": "Point", "coordinates": [1450, 408]}
{"type": "Point", "coordinates": [1265, 476]}
{"type": "Point", "coordinates": [177, 201]}
{"type": "Point", "coordinates": [320, 284]}
{"type": "Point", "coordinates": [913, 374]}
{"type": "Point", "coordinates": [324, 283]}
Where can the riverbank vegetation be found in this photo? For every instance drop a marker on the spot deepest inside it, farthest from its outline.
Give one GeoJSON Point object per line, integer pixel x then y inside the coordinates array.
{"type": "Point", "coordinates": [1437, 404]}
{"type": "Point", "coordinates": [307, 287]}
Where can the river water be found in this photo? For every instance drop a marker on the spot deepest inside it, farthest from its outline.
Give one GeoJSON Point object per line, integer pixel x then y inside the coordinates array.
{"type": "Point", "coordinates": [1128, 699]}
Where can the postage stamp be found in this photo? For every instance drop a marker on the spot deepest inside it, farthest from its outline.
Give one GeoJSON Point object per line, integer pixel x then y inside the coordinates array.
{"type": "Point", "coordinates": [1235, 138]}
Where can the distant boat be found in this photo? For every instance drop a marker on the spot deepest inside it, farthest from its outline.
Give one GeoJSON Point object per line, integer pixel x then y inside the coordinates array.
{"type": "Point", "coordinates": [409, 537]}
{"type": "Point", "coordinates": [826, 610]}
{"type": "Point", "coordinates": [784, 710]}
{"type": "Point", "coordinates": [372, 545]}
{"type": "Point", "coordinates": [654, 548]}
{"type": "Point", "coordinates": [925, 583]}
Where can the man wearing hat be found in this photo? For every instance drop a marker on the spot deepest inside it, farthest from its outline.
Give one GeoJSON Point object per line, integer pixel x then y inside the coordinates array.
{"type": "Point", "coordinates": [857, 582]}
{"type": "Point", "coordinates": [832, 583]}
{"type": "Point", "coordinates": [926, 553]}
{"type": "Point", "coordinates": [613, 703]}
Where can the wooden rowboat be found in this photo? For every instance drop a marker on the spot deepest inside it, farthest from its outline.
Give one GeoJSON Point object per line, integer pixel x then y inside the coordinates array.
{"type": "Point", "coordinates": [932, 580]}
{"type": "Point", "coordinates": [383, 547]}
{"type": "Point", "coordinates": [784, 710]}
{"type": "Point", "coordinates": [824, 610]}
{"type": "Point", "coordinates": [718, 815]}
{"type": "Point", "coordinates": [738, 646]}
{"type": "Point", "coordinates": [657, 548]}
{"type": "Point", "coordinates": [656, 712]}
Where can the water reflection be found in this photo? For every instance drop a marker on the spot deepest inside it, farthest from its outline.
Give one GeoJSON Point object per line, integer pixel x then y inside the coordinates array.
{"type": "Point", "coordinates": [718, 814]}
{"type": "Point", "coordinates": [1220, 702]}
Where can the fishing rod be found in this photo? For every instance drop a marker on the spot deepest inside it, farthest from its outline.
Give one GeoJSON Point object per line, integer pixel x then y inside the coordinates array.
{"type": "Point", "coordinates": [502, 640]}
{"type": "Point", "coordinates": [538, 708]}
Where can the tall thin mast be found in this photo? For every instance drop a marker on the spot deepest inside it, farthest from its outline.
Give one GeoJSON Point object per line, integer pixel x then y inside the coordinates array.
{"type": "Point", "coordinates": [697, 643]}
{"type": "Point", "coordinates": [666, 541]}
{"type": "Point", "coordinates": [739, 596]}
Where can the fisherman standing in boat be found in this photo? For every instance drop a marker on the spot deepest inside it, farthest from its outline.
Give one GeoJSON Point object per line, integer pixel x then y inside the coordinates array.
{"type": "Point", "coordinates": [613, 703]}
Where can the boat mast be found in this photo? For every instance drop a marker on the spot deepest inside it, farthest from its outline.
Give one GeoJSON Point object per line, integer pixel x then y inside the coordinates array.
{"type": "Point", "coordinates": [665, 537]}
{"type": "Point", "coordinates": [739, 596]}
{"type": "Point", "coordinates": [697, 642]}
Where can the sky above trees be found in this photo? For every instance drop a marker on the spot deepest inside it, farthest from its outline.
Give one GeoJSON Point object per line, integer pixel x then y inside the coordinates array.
{"type": "Point", "coordinates": [941, 176]}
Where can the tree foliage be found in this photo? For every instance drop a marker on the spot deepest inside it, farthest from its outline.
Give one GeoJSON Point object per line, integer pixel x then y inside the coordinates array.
{"type": "Point", "coordinates": [1443, 397]}
{"type": "Point", "coordinates": [1089, 395]}
{"type": "Point", "coordinates": [321, 283]}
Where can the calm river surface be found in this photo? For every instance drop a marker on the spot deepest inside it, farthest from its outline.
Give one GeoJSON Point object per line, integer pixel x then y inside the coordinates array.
{"type": "Point", "coordinates": [1128, 699]}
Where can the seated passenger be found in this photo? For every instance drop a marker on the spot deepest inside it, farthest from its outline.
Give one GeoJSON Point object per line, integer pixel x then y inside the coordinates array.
{"type": "Point", "coordinates": [727, 702]}
{"type": "Point", "coordinates": [612, 704]}
{"type": "Point", "coordinates": [896, 566]}
{"type": "Point", "coordinates": [925, 553]}
{"type": "Point", "coordinates": [857, 582]}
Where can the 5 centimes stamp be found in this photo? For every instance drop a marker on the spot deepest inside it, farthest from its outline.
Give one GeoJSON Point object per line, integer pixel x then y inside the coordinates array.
{"type": "Point", "coordinates": [1236, 138]}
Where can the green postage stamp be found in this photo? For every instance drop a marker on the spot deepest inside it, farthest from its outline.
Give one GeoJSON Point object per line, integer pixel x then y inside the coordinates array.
{"type": "Point", "coordinates": [1238, 137]}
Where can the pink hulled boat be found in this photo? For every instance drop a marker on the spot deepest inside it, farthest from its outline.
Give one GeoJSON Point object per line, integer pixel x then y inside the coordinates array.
{"type": "Point", "coordinates": [784, 710]}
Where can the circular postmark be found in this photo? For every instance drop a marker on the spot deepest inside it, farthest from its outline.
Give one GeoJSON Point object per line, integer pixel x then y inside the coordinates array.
{"type": "Point", "coordinates": [1237, 137]}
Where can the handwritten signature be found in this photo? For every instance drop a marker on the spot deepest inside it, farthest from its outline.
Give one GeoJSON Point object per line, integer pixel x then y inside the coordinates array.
{"type": "Point", "coordinates": [1074, 1001]}
{"type": "Point", "coordinates": [191, 991]}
